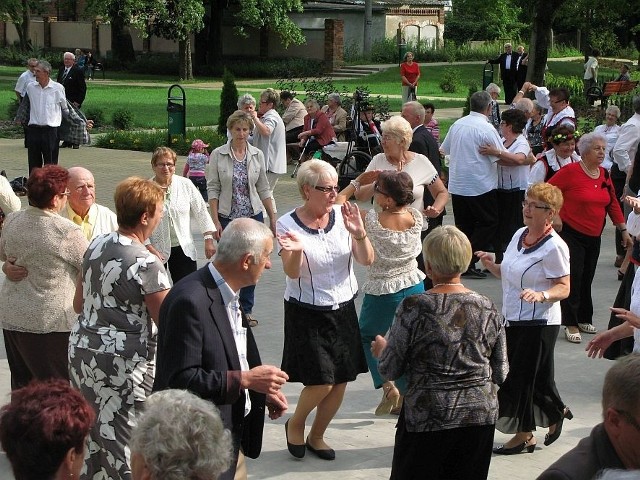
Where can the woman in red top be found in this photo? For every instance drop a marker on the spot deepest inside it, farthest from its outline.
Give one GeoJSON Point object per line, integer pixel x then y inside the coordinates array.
{"type": "Point", "coordinates": [410, 73]}
{"type": "Point", "coordinates": [317, 131]}
{"type": "Point", "coordinates": [588, 197]}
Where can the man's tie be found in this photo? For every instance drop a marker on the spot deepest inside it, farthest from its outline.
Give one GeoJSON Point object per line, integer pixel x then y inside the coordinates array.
{"type": "Point", "coordinates": [64, 75]}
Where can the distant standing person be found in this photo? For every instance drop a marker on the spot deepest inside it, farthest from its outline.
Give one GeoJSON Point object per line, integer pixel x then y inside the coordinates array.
{"type": "Point", "coordinates": [71, 77]}
{"type": "Point", "coordinates": [196, 166]}
{"type": "Point", "coordinates": [591, 70]}
{"type": "Point", "coordinates": [48, 105]}
{"type": "Point", "coordinates": [522, 67]}
{"type": "Point", "coordinates": [410, 73]}
{"type": "Point", "coordinates": [508, 62]}
{"type": "Point", "coordinates": [89, 65]}
{"type": "Point", "coordinates": [430, 123]}
{"type": "Point", "coordinates": [270, 137]}
{"type": "Point", "coordinates": [27, 77]}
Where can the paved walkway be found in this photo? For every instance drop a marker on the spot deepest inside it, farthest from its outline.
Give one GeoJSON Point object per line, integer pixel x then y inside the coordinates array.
{"type": "Point", "coordinates": [364, 442]}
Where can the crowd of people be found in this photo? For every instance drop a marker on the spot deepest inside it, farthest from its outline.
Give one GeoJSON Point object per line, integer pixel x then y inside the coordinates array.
{"type": "Point", "coordinates": [140, 342]}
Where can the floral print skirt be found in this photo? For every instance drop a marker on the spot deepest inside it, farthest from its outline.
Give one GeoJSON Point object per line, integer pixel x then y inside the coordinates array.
{"type": "Point", "coordinates": [117, 388]}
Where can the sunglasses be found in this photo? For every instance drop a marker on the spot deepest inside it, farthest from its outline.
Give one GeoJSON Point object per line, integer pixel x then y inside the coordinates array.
{"type": "Point", "coordinates": [335, 189]}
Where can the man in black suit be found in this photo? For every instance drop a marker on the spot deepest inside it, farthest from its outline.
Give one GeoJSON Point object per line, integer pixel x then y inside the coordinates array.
{"type": "Point", "coordinates": [206, 347]}
{"type": "Point", "coordinates": [75, 88]}
{"type": "Point", "coordinates": [508, 62]}
{"type": "Point", "coordinates": [423, 142]}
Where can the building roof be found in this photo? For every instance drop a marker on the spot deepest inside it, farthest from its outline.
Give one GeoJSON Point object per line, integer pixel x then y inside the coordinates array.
{"type": "Point", "coordinates": [377, 4]}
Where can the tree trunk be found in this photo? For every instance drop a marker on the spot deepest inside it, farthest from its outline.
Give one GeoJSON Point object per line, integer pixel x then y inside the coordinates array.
{"type": "Point", "coordinates": [544, 13]}
{"type": "Point", "coordinates": [121, 43]}
{"type": "Point", "coordinates": [264, 42]}
{"type": "Point", "coordinates": [184, 53]}
{"type": "Point", "coordinates": [24, 26]}
{"type": "Point", "coordinates": [368, 23]}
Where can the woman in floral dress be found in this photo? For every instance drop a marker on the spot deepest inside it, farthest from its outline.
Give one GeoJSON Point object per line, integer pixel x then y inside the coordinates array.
{"type": "Point", "coordinates": [112, 345]}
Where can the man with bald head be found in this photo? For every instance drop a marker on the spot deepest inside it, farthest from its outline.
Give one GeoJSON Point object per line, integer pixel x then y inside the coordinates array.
{"type": "Point", "coordinates": [82, 208]}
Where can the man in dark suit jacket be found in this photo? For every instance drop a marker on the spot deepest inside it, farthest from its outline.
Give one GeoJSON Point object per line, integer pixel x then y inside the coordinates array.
{"type": "Point", "coordinates": [206, 347]}
{"type": "Point", "coordinates": [614, 443]}
{"type": "Point", "coordinates": [508, 62]}
{"type": "Point", "coordinates": [423, 142]}
{"type": "Point", "coordinates": [71, 77]}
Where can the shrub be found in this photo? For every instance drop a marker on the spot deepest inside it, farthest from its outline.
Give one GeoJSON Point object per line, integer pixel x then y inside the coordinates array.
{"type": "Point", "coordinates": [122, 119]}
{"type": "Point", "coordinates": [228, 101]}
{"type": "Point", "coordinates": [97, 115]}
{"type": "Point", "coordinates": [148, 141]}
{"type": "Point", "coordinates": [449, 82]}
{"type": "Point", "coordinates": [12, 108]}
{"type": "Point", "coordinates": [473, 88]}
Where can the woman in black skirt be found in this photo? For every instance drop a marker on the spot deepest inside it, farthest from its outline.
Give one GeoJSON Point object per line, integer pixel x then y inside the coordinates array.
{"type": "Point", "coordinates": [322, 348]}
{"type": "Point", "coordinates": [535, 277]}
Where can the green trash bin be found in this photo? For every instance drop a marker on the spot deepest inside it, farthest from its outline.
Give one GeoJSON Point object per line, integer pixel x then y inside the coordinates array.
{"type": "Point", "coordinates": [487, 75]}
{"type": "Point", "coordinates": [176, 114]}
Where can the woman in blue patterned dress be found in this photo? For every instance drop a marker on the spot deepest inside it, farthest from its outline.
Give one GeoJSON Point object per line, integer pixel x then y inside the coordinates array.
{"type": "Point", "coordinates": [238, 187]}
{"type": "Point", "coordinates": [112, 345]}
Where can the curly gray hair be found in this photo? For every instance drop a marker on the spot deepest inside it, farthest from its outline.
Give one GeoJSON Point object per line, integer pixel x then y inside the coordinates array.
{"type": "Point", "coordinates": [246, 99]}
{"type": "Point", "coordinates": [181, 437]}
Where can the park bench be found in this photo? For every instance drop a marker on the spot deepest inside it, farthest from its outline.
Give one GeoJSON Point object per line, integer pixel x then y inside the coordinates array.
{"type": "Point", "coordinates": [610, 88]}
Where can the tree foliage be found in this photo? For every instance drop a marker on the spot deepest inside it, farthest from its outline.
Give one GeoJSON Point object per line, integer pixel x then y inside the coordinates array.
{"type": "Point", "coordinates": [19, 13]}
{"type": "Point", "coordinates": [228, 101]}
{"type": "Point", "coordinates": [481, 20]}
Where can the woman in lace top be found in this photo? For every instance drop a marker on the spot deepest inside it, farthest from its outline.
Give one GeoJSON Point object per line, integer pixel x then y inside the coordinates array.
{"type": "Point", "coordinates": [450, 344]}
{"type": "Point", "coordinates": [394, 230]}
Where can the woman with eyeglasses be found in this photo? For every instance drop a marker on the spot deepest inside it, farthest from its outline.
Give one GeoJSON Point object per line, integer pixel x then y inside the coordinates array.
{"type": "Point", "coordinates": [172, 242]}
{"type": "Point", "coordinates": [238, 187]}
{"type": "Point", "coordinates": [589, 196]}
{"type": "Point", "coordinates": [535, 277]}
{"type": "Point", "coordinates": [36, 310]}
{"type": "Point", "coordinates": [318, 243]}
{"type": "Point", "coordinates": [563, 140]}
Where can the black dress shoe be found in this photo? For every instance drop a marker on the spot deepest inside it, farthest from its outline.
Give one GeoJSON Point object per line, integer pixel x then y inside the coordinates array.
{"type": "Point", "coordinates": [549, 438]}
{"type": "Point", "coordinates": [473, 272]}
{"type": "Point", "coordinates": [65, 145]}
{"type": "Point", "coordinates": [297, 451]}
{"type": "Point", "coordinates": [328, 454]}
{"type": "Point", "coordinates": [75, 146]}
{"type": "Point", "coordinates": [502, 450]}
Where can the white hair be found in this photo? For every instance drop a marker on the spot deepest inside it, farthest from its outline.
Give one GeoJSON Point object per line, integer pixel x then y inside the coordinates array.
{"type": "Point", "coordinates": [246, 99]}
{"type": "Point", "coordinates": [242, 236]}
{"type": "Point", "coordinates": [492, 87]}
{"type": "Point", "coordinates": [181, 437]}
{"type": "Point", "coordinates": [312, 171]}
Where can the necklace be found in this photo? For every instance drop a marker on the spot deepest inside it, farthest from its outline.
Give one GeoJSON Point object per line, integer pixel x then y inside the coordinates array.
{"type": "Point", "coordinates": [544, 234]}
{"type": "Point", "coordinates": [448, 284]}
{"type": "Point", "coordinates": [398, 212]}
{"type": "Point", "coordinates": [589, 172]}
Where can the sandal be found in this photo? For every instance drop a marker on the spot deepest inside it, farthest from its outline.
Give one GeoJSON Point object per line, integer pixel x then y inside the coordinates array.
{"type": "Point", "coordinates": [572, 337]}
{"type": "Point", "coordinates": [587, 328]}
{"type": "Point", "coordinates": [390, 400]}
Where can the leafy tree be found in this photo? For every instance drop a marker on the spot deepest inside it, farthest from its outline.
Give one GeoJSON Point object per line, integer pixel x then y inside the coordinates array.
{"type": "Point", "coordinates": [228, 101]}
{"type": "Point", "coordinates": [177, 20]}
{"type": "Point", "coordinates": [481, 20]}
{"type": "Point", "coordinates": [266, 15]}
{"type": "Point", "coordinates": [19, 13]}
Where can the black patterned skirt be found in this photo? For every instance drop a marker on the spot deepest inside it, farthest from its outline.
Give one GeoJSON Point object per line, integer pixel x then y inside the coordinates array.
{"type": "Point", "coordinates": [322, 347]}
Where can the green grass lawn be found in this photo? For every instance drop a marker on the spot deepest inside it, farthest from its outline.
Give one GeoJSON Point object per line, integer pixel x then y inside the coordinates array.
{"type": "Point", "coordinates": [148, 103]}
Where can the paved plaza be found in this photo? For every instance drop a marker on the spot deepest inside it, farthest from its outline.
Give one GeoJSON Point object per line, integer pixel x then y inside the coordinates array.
{"type": "Point", "coordinates": [363, 442]}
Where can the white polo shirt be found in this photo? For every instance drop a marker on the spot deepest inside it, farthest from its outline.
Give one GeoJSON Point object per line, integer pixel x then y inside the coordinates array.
{"type": "Point", "coordinates": [471, 173]}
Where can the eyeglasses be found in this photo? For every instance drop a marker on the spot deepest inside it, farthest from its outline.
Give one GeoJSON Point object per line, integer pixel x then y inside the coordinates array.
{"type": "Point", "coordinates": [168, 165]}
{"type": "Point", "coordinates": [526, 204]}
{"type": "Point", "coordinates": [66, 193]}
{"type": "Point", "coordinates": [335, 189]}
{"type": "Point", "coordinates": [629, 418]}
{"type": "Point", "coordinates": [377, 189]}
{"type": "Point", "coordinates": [557, 101]}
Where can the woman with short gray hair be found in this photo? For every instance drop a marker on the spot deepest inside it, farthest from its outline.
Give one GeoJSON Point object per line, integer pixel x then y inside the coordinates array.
{"type": "Point", "coordinates": [179, 437]}
{"type": "Point", "coordinates": [337, 115]}
{"type": "Point", "coordinates": [318, 243]}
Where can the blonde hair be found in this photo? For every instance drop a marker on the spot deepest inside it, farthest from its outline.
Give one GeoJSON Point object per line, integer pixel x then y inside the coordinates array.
{"type": "Point", "coordinates": [162, 152]}
{"type": "Point", "coordinates": [240, 116]}
{"type": "Point", "coordinates": [400, 129]}
{"type": "Point", "coordinates": [312, 171]}
{"type": "Point", "coordinates": [546, 193]}
{"type": "Point", "coordinates": [447, 250]}
{"type": "Point", "coordinates": [135, 196]}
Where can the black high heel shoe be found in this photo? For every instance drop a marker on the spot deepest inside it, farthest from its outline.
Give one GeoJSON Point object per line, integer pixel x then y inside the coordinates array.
{"type": "Point", "coordinates": [502, 450]}
{"type": "Point", "coordinates": [297, 451]}
{"type": "Point", "coordinates": [549, 438]}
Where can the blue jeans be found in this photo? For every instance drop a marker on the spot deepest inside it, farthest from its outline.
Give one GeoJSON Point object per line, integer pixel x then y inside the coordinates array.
{"type": "Point", "coordinates": [247, 294]}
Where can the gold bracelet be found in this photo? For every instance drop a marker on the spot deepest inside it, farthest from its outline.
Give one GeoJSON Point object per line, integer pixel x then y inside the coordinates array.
{"type": "Point", "coordinates": [357, 239]}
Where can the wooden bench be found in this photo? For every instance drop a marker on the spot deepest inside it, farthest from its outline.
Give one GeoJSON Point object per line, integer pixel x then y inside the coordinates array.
{"type": "Point", "coordinates": [610, 88]}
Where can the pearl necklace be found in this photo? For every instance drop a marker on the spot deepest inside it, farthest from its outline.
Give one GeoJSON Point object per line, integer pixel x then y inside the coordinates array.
{"type": "Point", "coordinates": [589, 172]}
{"type": "Point", "coordinates": [447, 284]}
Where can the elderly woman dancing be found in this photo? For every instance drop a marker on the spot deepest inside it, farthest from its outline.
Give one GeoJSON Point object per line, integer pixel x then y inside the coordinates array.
{"type": "Point", "coordinates": [535, 277]}
{"type": "Point", "coordinates": [450, 344]}
{"type": "Point", "coordinates": [319, 242]}
{"type": "Point", "coordinates": [589, 197]}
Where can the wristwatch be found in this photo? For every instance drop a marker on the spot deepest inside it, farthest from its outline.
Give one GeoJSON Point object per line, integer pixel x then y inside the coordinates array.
{"type": "Point", "coordinates": [545, 297]}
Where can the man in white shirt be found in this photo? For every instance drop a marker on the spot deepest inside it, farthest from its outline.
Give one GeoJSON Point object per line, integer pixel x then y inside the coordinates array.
{"type": "Point", "coordinates": [624, 151]}
{"type": "Point", "coordinates": [591, 71]}
{"type": "Point", "coordinates": [82, 208]}
{"type": "Point", "coordinates": [269, 136]}
{"type": "Point", "coordinates": [47, 105]}
{"type": "Point", "coordinates": [27, 77]}
{"type": "Point", "coordinates": [473, 177]}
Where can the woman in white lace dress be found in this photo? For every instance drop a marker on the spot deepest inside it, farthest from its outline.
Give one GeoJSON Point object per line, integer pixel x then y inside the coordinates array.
{"type": "Point", "coordinates": [394, 230]}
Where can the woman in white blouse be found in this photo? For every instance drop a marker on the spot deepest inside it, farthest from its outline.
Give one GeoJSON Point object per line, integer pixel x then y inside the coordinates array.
{"type": "Point", "coordinates": [172, 241]}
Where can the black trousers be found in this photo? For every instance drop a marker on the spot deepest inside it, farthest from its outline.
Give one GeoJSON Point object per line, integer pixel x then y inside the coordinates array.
{"type": "Point", "coordinates": [584, 251]}
{"type": "Point", "coordinates": [510, 85]}
{"type": "Point", "coordinates": [42, 146]}
{"type": "Point", "coordinates": [618, 178]}
{"type": "Point", "coordinates": [509, 218]}
{"type": "Point", "coordinates": [477, 217]}
{"type": "Point", "coordinates": [462, 453]}
{"type": "Point", "coordinates": [292, 135]}
{"type": "Point", "coordinates": [179, 265]}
